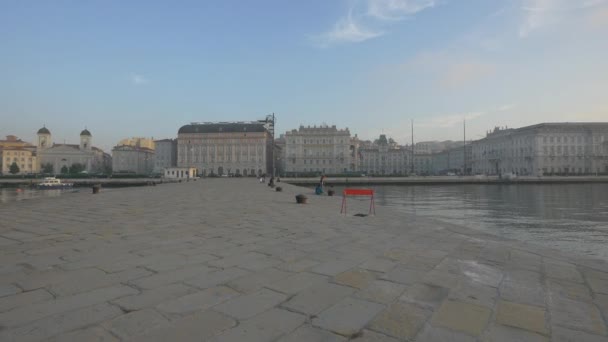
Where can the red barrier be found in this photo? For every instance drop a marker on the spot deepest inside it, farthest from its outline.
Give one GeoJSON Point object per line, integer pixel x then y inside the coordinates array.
{"type": "Point", "coordinates": [358, 192]}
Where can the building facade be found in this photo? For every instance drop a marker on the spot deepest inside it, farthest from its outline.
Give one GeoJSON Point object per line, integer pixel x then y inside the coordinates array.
{"type": "Point", "coordinates": [25, 158]}
{"type": "Point", "coordinates": [543, 149]}
{"type": "Point", "coordinates": [58, 157]}
{"type": "Point", "coordinates": [138, 141]}
{"type": "Point", "coordinates": [132, 159]}
{"type": "Point", "coordinates": [323, 149]}
{"type": "Point", "coordinates": [452, 160]}
{"type": "Point", "coordinates": [11, 145]}
{"type": "Point", "coordinates": [180, 172]}
{"type": "Point", "coordinates": [165, 154]}
{"type": "Point", "coordinates": [384, 157]}
{"type": "Point", "coordinates": [225, 148]}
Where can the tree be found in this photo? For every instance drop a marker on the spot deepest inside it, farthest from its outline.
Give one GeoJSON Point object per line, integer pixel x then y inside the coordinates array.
{"type": "Point", "coordinates": [64, 169]}
{"type": "Point", "coordinates": [47, 168]}
{"type": "Point", "coordinates": [14, 168]}
{"type": "Point", "coordinates": [76, 168]}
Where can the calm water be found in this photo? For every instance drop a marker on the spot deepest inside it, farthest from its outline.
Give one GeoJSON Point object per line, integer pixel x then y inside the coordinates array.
{"type": "Point", "coordinates": [20, 194]}
{"type": "Point", "coordinates": [572, 217]}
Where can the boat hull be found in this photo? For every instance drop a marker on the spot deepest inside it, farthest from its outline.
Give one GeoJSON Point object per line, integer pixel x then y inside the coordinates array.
{"type": "Point", "coordinates": [52, 187]}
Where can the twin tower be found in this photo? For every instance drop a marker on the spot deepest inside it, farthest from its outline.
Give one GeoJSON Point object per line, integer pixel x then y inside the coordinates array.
{"type": "Point", "coordinates": [44, 139]}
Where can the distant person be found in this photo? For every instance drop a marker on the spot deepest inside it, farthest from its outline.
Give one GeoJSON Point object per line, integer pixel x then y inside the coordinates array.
{"type": "Point", "coordinates": [319, 189]}
{"type": "Point", "coordinates": [271, 182]}
{"type": "Point", "coordinates": [322, 181]}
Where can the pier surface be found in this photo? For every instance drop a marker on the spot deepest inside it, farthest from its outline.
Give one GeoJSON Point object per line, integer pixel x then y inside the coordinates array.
{"type": "Point", "coordinates": [232, 260]}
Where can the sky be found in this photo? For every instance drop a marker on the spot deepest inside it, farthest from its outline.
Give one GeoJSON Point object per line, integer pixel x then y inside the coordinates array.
{"type": "Point", "coordinates": [145, 68]}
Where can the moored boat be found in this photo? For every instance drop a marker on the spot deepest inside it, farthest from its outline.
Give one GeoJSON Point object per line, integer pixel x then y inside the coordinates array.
{"type": "Point", "coordinates": [53, 183]}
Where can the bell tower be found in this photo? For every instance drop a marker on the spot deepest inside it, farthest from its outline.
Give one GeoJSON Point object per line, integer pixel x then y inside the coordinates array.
{"type": "Point", "coordinates": [85, 140]}
{"type": "Point", "coordinates": [44, 138]}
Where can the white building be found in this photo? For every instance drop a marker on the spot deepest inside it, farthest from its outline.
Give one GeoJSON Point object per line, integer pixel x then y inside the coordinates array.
{"type": "Point", "coordinates": [180, 172]}
{"type": "Point", "coordinates": [64, 156]}
{"type": "Point", "coordinates": [323, 149]}
{"type": "Point", "coordinates": [165, 154]}
{"type": "Point", "coordinates": [238, 148]}
{"type": "Point", "coordinates": [543, 149]}
{"type": "Point", "coordinates": [384, 158]}
{"type": "Point", "coordinates": [132, 159]}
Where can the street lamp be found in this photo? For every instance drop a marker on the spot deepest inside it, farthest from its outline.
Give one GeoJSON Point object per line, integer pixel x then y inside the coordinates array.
{"type": "Point", "coordinates": [270, 122]}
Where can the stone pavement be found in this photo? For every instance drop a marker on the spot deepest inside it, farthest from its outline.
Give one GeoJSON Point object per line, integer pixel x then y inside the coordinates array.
{"type": "Point", "coordinates": [231, 260]}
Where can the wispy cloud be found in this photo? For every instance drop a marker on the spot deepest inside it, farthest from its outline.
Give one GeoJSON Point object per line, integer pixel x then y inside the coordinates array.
{"type": "Point", "coordinates": [450, 70]}
{"type": "Point", "coordinates": [461, 74]}
{"type": "Point", "coordinates": [137, 79]}
{"type": "Point", "coordinates": [540, 13]}
{"type": "Point", "coordinates": [451, 120]}
{"type": "Point", "coordinates": [396, 9]}
{"type": "Point", "coordinates": [346, 30]}
{"type": "Point", "coordinates": [357, 26]}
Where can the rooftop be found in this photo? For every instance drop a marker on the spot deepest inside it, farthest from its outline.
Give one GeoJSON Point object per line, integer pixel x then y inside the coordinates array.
{"type": "Point", "coordinates": [223, 127]}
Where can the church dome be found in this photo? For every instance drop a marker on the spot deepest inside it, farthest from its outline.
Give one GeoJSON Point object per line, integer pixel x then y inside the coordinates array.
{"type": "Point", "coordinates": [85, 132]}
{"type": "Point", "coordinates": [44, 130]}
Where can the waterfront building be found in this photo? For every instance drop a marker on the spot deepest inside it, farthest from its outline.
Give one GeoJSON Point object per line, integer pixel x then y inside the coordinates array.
{"type": "Point", "coordinates": [279, 155]}
{"type": "Point", "coordinates": [165, 153]}
{"type": "Point", "coordinates": [319, 149]}
{"type": "Point", "coordinates": [57, 157]}
{"type": "Point", "coordinates": [233, 148]}
{"type": "Point", "coordinates": [384, 157]}
{"type": "Point", "coordinates": [180, 172]}
{"type": "Point", "coordinates": [132, 159]}
{"type": "Point", "coordinates": [543, 149]}
{"type": "Point", "coordinates": [25, 158]}
{"type": "Point", "coordinates": [423, 164]}
{"type": "Point", "coordinates": [12, 142]}
{"type": "Point", "coordinates": [452, 160]}
{"type": "Point", "coordinates": [138, 141]}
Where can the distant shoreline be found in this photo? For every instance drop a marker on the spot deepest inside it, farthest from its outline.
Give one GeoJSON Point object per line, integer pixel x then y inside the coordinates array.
{"type": "Point", "coordinates": [428, 180]}
{"type": "Point", "coordinates": [446, 180]}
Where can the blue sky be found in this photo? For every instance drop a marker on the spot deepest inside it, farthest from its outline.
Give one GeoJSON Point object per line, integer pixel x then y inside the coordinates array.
{"type": "Point", "coordinates": [144, 68]}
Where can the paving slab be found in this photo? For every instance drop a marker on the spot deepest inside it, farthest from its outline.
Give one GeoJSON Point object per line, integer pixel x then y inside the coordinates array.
{"type": "Point", "coordinates": [197, 327]}
{"type": "Point", "coordinates": [347, 317]}
{"type": "Point", "coordinates": [462, 316]}
{"type": "Point", "coordinates": [151, 298]}
{"type": "Point", "coordinates": [24, 299]}
{"type": "Point", "coordinates": [268, 326]}
{"type": "Point", "coordinates": [400, 320]}
{"type": "Point", "coordinates": [430, 333]}
{"type": "Point", "coordinates": [357, 278]}
{"type": "Point", "coordinates": [372, 336]}
{"type": "Point", "coordinates": [522, 316]}
{"type": "Point", "coordinates": [92, 334]}
{"type": "Point", "coordinates": [307, 333]}
{"type": "Point", "coordinates": [298, 282]}
{"type": "Point", "coordinates": [249, 305]}
{"type": "Point", "coordinates": [317, 298]}
{"type": "Point", "coordinates": [135, 323]}
{"type": "Point", "coordinates": [501, 333]}
{"type": "Point", "coordinates": [381, 291]}
{"type": "Point", "coordinates": [425, 295]}
{"type": "Point", "coordinates": [60, 323]}
{"type": "Point", "coordinates": [198, 301]}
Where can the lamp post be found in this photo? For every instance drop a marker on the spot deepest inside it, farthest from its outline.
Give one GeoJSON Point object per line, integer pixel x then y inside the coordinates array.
{"type": "Point", "coordinates": [270, 122]}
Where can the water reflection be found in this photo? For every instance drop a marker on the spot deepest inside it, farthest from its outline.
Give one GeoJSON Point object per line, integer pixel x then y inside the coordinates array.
{"type": "Point", "coordinates": [19, 194]}
{"type": "Point", "coordinates": [571, 217]}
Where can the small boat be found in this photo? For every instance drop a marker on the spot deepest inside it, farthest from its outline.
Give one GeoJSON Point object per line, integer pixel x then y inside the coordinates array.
{"type": "Point", "coordinates": [53, 183]}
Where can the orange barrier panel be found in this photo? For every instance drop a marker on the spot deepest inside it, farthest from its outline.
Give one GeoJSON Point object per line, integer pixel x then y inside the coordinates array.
{"type": "Point", "coordinates": [358, 192]}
